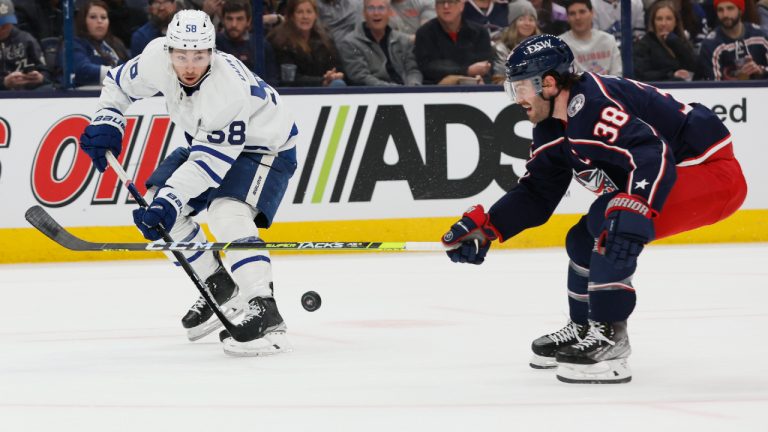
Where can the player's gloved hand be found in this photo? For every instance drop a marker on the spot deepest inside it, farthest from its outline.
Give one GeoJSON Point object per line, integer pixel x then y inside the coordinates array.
{"type": "Point", "coordinates": [628, 227]}
{"type": "Point", "coordinates": [471, 237]}
{"type": "Point", "coordinates": [162, 211]}
{"type": "Point", "coordinates": [105, 133]}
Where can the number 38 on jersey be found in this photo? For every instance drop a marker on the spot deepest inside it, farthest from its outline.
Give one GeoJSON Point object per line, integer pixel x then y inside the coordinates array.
{"type": "Point", "coordinates": [610, 123]}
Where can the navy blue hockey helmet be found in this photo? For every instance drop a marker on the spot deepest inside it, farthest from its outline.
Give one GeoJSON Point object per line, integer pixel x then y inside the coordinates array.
{"type": "Point", "coordinates": [534, 57]}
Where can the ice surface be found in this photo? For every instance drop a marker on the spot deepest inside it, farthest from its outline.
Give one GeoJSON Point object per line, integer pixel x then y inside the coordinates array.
{"type": "Point", "coordinates": [403, 342]}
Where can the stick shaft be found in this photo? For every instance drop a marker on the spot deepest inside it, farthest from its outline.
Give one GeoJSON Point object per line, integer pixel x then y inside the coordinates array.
{"type": "Point", "coordinates": [44, 222]}
{"type": "Point", "coordinates": [127, 181]}
{"type": "Point", "coordinates": [180, 258]}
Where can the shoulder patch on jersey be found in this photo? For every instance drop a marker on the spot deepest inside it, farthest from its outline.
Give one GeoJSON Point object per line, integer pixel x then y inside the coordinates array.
{"type": "Point", "coordinates": [576, 104]}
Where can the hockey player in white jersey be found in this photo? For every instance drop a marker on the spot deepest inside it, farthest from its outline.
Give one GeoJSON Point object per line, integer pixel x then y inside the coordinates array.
{"type": "Point", "coordinates": [239, 158]}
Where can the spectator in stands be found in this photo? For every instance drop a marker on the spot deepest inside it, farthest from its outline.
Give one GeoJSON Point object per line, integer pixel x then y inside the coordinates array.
{"type": "Point", "coordinates": [339, 16]}
{"type": "Point", "coordinates": [22, 66]}
{"type": "Point", "coordinates": [595, 50]}
{"type": "Point", "coordinates": [607, 17]}
{"type": "Point", "coordinates": [160, 14]}
{"type": "Point", "coordinates": [96, 50]}
{"type": "Point", "coordinates": [123, 19]}
{"type": "Point", "coordinates": [735, 50]}
{"type": "Point", "coordinates": [376, 55]}
{"type": "Point", "coordinates": [522, 24]}
{"type": "Point", "coordinates": [749, 15]}
{"type": "Point", "coordinates": [449, 49]}
{"type": "Point", "coordinates": [235, 39]}
{"type": "Point", "coordinates": [306, 54]}
{"type": "Point", "coordinates": [553, 19]}
{"type": "Point", "coordinates": [491, 14]}
{"type": "Point", "coordinates": [409, 15]}
{"type": "Point", "coordinates": [664, 53]}
{"type": "Point", "coordinates": [40, 18]}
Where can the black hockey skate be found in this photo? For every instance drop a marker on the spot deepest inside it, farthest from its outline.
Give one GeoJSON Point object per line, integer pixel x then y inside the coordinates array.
{"type": "Point", "coordinates": [599, 358]}
{"type": "Point", "coordinates": [263, 329]}
{"type": "Point", "coordinates": [544, 348]}
{"type": "Point", "coordinates": [199, 320]}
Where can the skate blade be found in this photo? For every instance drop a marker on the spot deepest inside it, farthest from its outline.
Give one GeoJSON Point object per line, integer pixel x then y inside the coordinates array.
{"type": "Point", "coordinates": [541, 362]}
{"type": "Point", "coordinates": [210, 326]}
{"type": "Point", "coordinates": [605, 372]}
{"type": "Point", "coordinates": [272, 343]}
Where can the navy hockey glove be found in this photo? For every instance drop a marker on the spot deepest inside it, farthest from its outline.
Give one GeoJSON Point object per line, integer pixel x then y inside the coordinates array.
{"type": "Point", "coordinates": [628, 227]}
{"type": "Point", "coordinates": [105, 133]}
{"type": "Point", "coordinates": [470, 238]}
{"type": "Point", "coordinates": [162, 211]}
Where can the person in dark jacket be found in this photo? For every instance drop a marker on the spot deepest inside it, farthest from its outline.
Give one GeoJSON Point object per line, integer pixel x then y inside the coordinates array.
{"type": "Point", "coordinates": [22, 66]}
{"type": "Point", "coordinates": [124, 20]}
{"type": "Point", "coordinates": [96, 50]}
{"type": "Point", "coordinates": [449, 46]}
{"type": "Point", "coordinates": [664, 53]}
{"type": "Point", "coordinates": [488, 13]}
{"type": "Point", "coordinates": [736, 50]}
{"type": "Point", "coordinates": [302, 42]}
{"type": "Point", "coordinates": [40, 18]}
{"type": "Point", "coordinates": [236, 39]}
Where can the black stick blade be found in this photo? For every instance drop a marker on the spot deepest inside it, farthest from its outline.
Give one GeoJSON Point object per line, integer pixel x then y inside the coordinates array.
{"type": "Point", "coordinates": [40, 219]}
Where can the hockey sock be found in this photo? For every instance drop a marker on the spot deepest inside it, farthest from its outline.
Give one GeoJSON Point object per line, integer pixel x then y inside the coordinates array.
{"type": "Point", "coordinates": [578, 299]}
{"type": "Point", "coordinates": [578, 244]}
{"type": "Point", "coordinates": [232, 220]}
{"type": "Point", "coordinates": [187, 230]}
{"type": "Point", "coordinates": [611, 294]}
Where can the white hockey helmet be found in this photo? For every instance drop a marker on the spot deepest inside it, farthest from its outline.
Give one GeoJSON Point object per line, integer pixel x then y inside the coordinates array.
{"type": "Point", "coordinates": [191, 30]}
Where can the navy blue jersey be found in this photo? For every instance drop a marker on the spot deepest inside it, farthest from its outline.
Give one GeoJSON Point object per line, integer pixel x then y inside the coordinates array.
{"type": "Point", "coordinates": [620, 135]}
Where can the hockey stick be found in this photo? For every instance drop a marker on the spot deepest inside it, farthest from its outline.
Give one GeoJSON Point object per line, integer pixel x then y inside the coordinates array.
{"type": "Point", "coordinates": [44, 222]}
{"type": "Point", "coordinates": [199, 284]}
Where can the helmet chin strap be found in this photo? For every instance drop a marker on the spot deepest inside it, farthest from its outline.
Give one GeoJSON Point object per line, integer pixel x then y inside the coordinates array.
{"type": "Point", "coordinates": [551, 101]}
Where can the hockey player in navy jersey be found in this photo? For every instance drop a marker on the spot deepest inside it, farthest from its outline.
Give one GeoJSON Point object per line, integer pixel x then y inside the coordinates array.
{"type": "Point", "coordinates": [658, 166]}
{"type": "Point", "coordinates": [239, 156]}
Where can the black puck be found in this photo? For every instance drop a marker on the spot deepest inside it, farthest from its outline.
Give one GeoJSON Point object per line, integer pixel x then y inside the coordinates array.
{"type": "Point", "coordinates": [311, 301]}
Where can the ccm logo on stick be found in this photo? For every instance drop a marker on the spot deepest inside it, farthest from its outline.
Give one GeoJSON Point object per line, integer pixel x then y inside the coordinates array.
{"type": "Point", "coordinates": [179, 246]}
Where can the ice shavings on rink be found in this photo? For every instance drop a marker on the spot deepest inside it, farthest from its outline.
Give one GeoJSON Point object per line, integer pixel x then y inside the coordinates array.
{"type": "Point", "coordinates": [402, 342]}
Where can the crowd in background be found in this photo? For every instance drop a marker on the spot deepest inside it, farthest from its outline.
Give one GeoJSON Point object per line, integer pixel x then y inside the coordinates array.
{"type": "Point", "coordinates": [394, 42]}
